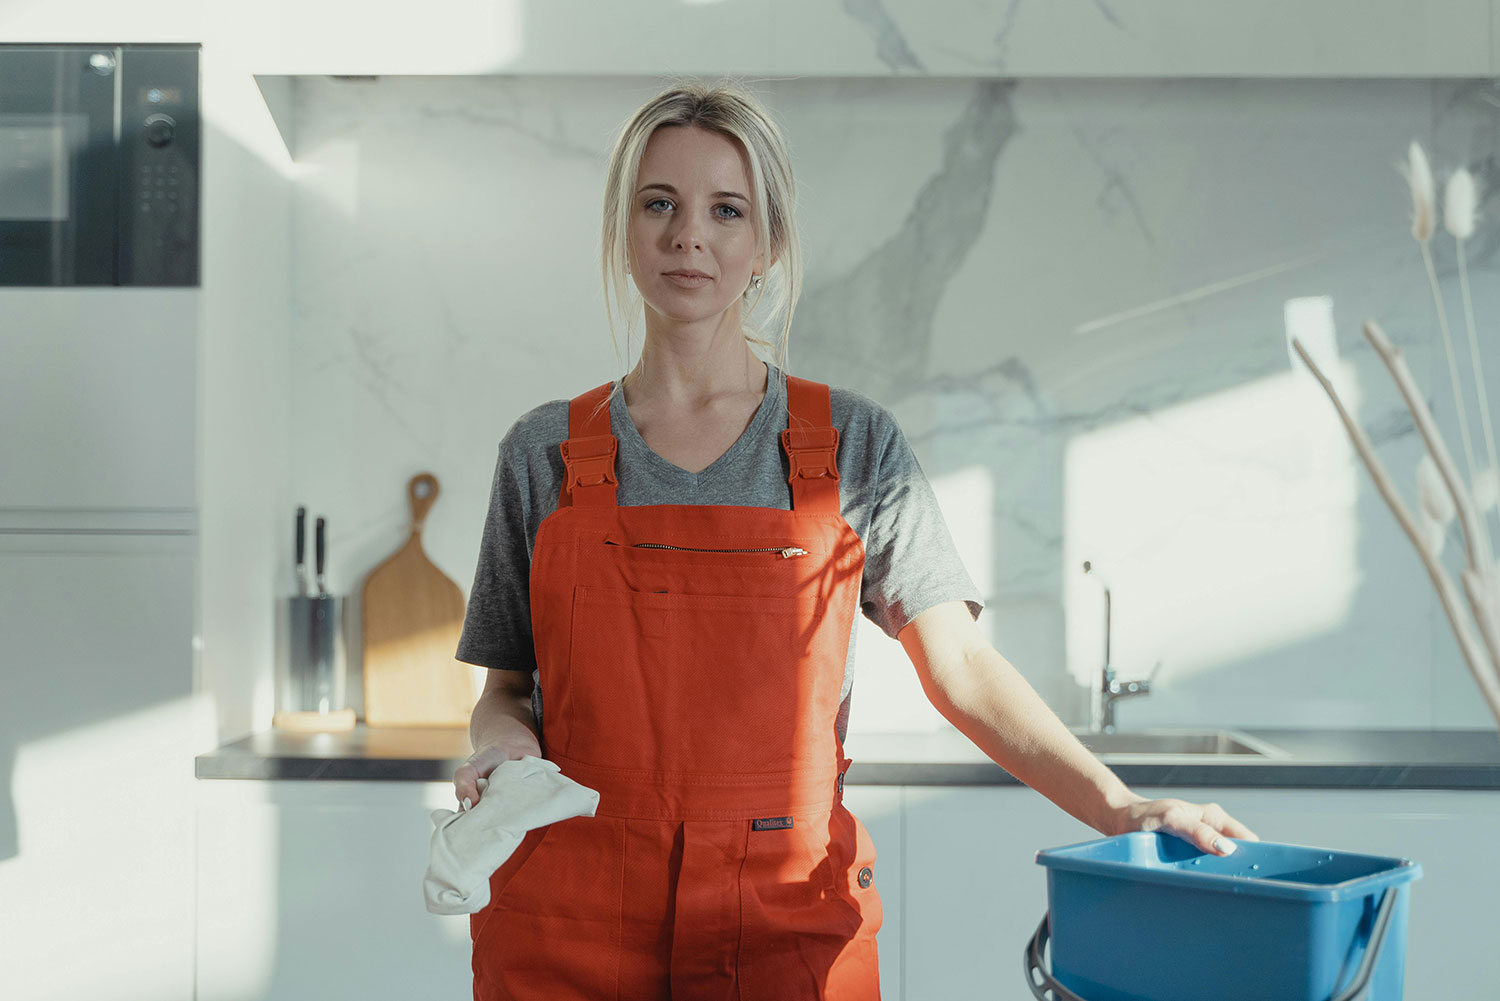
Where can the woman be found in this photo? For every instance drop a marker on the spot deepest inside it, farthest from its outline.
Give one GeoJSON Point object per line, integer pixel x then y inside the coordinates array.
{"type": "Point", "coordinates": [670, 573]}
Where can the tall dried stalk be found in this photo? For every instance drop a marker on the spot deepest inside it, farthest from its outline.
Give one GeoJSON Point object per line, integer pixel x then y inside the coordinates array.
{"type": "Point", "coordinates": [1481, 584]}
{"type": "Point", "coordinates": [1483, 658]}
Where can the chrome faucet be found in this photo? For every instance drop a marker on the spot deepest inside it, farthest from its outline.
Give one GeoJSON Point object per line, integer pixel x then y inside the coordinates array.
{"type": "Point", "coordinates": [1111, 690]}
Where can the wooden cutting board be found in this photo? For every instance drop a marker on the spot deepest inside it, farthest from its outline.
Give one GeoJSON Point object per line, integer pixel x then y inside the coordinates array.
{"type": "Point", "coordinates": [413, 615]}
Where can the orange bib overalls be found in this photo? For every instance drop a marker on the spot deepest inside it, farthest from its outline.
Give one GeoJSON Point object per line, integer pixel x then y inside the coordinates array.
{"type": "Point", "coordinates": [691, 659]}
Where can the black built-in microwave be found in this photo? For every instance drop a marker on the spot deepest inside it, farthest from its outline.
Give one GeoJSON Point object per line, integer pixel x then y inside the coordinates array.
{"type": "Point", "coordinates": [100, 152]}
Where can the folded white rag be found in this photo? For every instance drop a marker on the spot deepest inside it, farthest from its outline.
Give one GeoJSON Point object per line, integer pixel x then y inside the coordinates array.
{"type": "Point", "coordinates": [469, 845]}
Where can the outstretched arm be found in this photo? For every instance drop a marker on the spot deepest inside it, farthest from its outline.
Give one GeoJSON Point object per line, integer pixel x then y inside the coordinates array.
{"type": "Point", "coordinates": [986, 698]}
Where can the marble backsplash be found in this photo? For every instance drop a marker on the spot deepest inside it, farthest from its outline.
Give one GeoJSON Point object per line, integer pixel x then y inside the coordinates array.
{"type": "Point", "coordinates": [1074, 294]}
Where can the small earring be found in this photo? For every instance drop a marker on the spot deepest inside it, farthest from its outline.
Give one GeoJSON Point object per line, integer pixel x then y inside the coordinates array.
{"type": "Point", "coordinates": [755, 282]}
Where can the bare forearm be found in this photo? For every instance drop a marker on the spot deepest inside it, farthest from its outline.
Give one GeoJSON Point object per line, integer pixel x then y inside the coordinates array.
{"type": "Point", "coordinates": [504, 719]}
{"type": "Point", "coordinates": [989, 701]}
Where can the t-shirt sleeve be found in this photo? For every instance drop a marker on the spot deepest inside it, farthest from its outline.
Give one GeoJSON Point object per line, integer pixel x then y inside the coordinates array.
{"type": "Point", "coordinates": [911, 562]}
{"type": "Point", "coordinates": [497, 623]}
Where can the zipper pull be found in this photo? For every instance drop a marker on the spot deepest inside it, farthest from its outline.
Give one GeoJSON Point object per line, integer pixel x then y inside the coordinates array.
{"type": "Point", "coordinates": [788, 553]}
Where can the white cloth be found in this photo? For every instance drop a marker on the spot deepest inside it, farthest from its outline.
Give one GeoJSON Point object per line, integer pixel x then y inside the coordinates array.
{"type": "Point", "coordinates": [469, 845]}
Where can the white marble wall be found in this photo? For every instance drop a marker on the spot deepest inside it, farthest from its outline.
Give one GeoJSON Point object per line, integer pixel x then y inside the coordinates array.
{"type": "Point", "coordinates": [1071, 292]}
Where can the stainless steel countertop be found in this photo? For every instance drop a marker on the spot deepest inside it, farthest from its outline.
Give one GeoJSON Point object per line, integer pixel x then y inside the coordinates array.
{"type": "Point", "coordinates": [1332, 759]}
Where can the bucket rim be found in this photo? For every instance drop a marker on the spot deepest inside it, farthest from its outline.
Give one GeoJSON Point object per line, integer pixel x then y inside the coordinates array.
{"type": "Point", "coordinates": [1068, 858]}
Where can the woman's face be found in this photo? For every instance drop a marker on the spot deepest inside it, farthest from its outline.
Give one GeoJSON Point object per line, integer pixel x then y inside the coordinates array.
{"type": "Point", "coordinates": [691, 211]}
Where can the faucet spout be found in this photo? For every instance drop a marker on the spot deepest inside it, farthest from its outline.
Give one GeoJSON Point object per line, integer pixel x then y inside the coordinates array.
{"type": "Point", "coordinates": [1111, 689]}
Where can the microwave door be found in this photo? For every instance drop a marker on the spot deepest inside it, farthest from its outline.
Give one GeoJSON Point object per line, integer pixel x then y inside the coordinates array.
{"type": "Point", "coordinates": [59, 165]}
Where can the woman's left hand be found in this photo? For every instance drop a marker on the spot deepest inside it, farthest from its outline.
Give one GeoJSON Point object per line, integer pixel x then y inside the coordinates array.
{"type": "Point", "coordinates": [1204, 825]}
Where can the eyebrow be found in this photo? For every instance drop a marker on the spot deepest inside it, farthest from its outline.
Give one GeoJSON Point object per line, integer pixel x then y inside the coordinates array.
{"type": "Point", "coordinates": [717, 194]}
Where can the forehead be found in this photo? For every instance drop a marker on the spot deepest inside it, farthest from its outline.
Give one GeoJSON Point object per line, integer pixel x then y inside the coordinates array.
{"type": "Point", "coordinates": [683, 155]}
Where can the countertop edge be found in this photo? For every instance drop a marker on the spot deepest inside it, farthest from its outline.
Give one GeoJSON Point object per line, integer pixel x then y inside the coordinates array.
{"type": "Point", "coordinates": [1354, 759]}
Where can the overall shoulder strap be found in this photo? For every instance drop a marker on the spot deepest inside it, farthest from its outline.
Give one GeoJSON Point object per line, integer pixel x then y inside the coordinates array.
{"type": "Point", "coordinates": [811, 442]}
{"type": "Point", "coordinates": [589, 453]}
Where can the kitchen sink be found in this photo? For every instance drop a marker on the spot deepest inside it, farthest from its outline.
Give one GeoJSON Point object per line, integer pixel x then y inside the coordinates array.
{"type": "Point", "coordinates": [1196, 743]}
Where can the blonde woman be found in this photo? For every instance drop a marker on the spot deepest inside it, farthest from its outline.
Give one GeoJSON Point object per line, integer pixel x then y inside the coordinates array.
{"type": "Point", "coordinates": [667, 588]}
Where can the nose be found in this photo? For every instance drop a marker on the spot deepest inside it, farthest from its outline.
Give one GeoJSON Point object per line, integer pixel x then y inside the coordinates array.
{"type": "Point", "coordinates": [686, 237]}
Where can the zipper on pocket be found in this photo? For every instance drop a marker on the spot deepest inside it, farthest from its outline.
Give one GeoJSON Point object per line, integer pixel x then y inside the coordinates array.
{"type": "Point", "coordinates": [786, 552]}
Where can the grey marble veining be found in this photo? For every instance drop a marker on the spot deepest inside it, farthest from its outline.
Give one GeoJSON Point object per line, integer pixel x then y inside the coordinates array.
{"type": "Point", "coordinates": [890, 44]}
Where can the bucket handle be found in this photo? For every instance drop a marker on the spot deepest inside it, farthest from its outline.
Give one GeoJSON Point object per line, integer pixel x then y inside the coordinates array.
{"type": "Point", "coordinates": [1377, 936]}
{"type": "Point", "coordinates": [1032, 958]}
{"type": "Point", "coordinates": [1033, 965]}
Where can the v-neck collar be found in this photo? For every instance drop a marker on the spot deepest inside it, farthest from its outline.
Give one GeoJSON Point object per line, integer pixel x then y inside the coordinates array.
{"type": "Point", "coordinates": [623, 427]}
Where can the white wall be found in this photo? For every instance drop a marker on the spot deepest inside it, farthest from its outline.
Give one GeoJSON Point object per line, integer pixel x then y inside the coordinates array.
{"type": "Point", "coordinates": [245, 421]}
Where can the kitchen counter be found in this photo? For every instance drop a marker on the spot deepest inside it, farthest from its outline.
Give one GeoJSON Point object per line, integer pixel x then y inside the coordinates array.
{"type": "Point", "coordinates": [1331, 759]}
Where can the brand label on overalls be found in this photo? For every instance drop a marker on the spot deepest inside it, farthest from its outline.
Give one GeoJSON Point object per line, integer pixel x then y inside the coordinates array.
{"type": "Point", "coordinates": [771, 824]}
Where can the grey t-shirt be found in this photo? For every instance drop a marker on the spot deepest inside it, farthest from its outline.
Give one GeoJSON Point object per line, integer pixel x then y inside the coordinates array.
{"type": "Point", "coordinates": [911, 563]}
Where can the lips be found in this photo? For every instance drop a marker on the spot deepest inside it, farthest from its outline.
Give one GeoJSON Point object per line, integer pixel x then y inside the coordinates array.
{"type": "Point", "coordinates": [688, 274]}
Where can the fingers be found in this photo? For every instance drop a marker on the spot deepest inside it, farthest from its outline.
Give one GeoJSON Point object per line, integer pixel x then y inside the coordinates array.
{"type": "Point", "coordinates": [1215, 816]}
{"type": "Point", "coordinates": [1188, 822]}
{"type": "Point", "coordinates": [466, 786]}
{"type": "Point", "coordinates": [1208, 826]}
{"type": "Point", "coordinates": [467, 776]}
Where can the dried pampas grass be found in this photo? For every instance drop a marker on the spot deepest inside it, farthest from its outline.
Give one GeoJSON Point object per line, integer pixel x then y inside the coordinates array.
{"type": "Point", "coordinates": [1442, 493]}
{"type": "Point", "coordinates": [1423, 195]}
{"type": "Point", "coordinates": [1460, 205]}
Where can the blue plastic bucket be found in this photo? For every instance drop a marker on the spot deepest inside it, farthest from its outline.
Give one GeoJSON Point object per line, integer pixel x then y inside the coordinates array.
{"type": "Point", "coordinates": [1148, 917]}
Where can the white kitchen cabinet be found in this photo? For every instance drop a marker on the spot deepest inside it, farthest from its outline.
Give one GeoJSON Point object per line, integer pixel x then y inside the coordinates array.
{"type": "Point", "coordinates": [313, 889]}
{"type": "Point", "coordinates": [879, 808]}
{"type": "Point", "coordinates": [96, 766]}
{"type": "Point", "coordinates": [98, 401]}
{"type": "Point", "coordinates": [974, 893]}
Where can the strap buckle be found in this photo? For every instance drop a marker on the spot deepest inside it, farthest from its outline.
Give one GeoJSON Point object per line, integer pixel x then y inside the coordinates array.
{"type": "Point", "coordinates": [811, 452]}
{"type": "Point", "coordinates": [590, 461]}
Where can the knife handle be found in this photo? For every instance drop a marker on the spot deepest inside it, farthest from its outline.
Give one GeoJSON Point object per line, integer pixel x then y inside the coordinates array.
{"type": "Point", "coordinates": [320, 550]}
{"type": "Point", "coordinates": [301, 536]}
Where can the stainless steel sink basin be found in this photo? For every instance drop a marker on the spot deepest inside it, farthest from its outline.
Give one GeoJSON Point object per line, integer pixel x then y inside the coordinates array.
{"type": "Point", "coordinates": [1196, 743]}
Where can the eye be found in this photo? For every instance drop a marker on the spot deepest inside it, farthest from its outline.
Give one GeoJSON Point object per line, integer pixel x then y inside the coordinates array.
{"type": "Point", "coordinates": [651, 206]}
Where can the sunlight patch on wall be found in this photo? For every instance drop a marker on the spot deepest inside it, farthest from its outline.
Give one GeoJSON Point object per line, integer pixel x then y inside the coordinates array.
{"type": "Point", "coordinates": [1224, 526]}
{"type": "Point", "coordinates": [888, 697]}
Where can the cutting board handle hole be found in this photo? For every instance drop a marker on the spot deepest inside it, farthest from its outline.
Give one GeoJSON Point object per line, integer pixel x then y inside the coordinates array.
{"type": "Point", "coordinates": [423, 491]}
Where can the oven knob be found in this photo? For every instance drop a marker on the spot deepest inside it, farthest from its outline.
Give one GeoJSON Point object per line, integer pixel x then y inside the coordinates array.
{"type": "Point", "coordinates": [160, 130]}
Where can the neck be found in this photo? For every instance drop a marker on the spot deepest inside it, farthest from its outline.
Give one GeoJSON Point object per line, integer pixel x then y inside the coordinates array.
{"type": "Point", "coordinates": [678, 370]}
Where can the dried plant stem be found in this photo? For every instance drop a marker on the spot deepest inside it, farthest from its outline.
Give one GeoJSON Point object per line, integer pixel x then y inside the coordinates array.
{"type": "Point", "coordinates": [1478, 592]}
{"type": "Point", "coordinates": [1478, 550]}
{"type": "Point", "coordinates": [1458, 393]}
{"type": "Point", "coordinates": [1484, 396]}
{"type": "Point", "coordinates": [1486, 673]}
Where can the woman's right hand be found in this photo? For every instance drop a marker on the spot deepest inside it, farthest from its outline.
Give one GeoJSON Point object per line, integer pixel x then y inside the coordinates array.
{"type": "Point", "coordinates": [485, 760]}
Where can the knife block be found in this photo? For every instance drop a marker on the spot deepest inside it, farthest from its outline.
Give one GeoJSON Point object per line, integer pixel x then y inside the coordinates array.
{"type": "Point", "coordinates": [312, 666]}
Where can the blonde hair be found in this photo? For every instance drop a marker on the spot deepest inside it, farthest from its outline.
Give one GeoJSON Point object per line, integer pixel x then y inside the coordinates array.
{"type": "Point", "coordinates": [728, 109]}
